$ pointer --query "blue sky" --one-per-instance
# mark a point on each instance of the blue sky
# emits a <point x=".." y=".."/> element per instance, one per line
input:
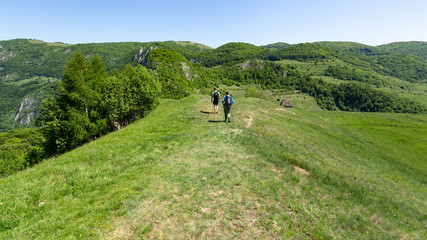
<point x="215" y="22"/>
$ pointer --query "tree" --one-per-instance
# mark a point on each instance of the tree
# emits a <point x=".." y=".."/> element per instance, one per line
<point x="74" y="115"/>
<point x="90" y="103"/>
<point x="130" y="95"/>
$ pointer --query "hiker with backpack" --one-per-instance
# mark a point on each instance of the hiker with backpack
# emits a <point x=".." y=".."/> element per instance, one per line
<point x="215" y="96"/>
<point x="227" y="101"/>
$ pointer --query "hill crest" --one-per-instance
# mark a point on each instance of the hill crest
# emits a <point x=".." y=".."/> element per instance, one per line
<point x="163" y="177"/>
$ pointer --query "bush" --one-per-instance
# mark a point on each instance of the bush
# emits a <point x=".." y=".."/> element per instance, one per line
<point x="34" y="156"/>
<point x="205" y="91"/>
<point x="253" y="92"/>
<point x="10" y="163"/>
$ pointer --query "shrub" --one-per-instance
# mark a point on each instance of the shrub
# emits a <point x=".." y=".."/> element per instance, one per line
<point x="10" y="163"/>
<point x="253" y="92"/>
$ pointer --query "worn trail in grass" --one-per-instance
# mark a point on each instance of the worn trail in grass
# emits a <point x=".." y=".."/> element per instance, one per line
<point x="271" y="173"/>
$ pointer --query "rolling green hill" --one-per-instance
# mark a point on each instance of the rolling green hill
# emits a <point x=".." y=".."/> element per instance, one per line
<point x="301" y="52"/>
<point x="300" y="173"/>
<point x="383" y="60"/>
<point x="413" y="48"/>
<point x="229" y="52"/>
<point x="276" y="46"/>
<point x="352" y="48"/>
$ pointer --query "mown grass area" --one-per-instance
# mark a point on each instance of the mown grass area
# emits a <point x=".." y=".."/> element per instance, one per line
<point x="272" y="173"/>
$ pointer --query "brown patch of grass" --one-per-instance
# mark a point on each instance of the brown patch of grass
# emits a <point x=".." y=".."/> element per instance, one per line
<point x="248" y="121"/>
<point x="301" y="171"/>
<point x="285" y="110"/>
<point x="206" y="210"/>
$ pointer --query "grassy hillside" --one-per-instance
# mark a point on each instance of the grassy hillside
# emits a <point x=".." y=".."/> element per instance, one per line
<point x="271" y="173"/>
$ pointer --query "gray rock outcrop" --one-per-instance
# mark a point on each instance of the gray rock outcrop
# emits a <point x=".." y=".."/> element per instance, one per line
<point x="141" y="55"/>
<point x="286" y="102"/>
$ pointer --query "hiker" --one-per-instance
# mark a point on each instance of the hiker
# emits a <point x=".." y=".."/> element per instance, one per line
<point x="227" y="101"/>
<point x="215" y="96"/>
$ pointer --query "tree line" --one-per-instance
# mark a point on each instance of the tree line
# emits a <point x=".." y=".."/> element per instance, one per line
<point x="91" y="102"/>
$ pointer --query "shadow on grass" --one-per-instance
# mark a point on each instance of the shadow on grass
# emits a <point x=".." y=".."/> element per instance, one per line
<point x="206" y="112"/>
<point x="215" y="121"/>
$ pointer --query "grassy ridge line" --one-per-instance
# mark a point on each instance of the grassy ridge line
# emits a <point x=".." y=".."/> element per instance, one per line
<point x="175" y="174"/>
<point x="81" y="190"/>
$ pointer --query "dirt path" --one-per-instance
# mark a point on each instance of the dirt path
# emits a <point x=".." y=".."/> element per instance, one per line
<point x="249" y="120"/>
<point x="285" y="110"/>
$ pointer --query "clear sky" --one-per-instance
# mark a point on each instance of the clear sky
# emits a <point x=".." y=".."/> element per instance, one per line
<point x="215" y="22"/>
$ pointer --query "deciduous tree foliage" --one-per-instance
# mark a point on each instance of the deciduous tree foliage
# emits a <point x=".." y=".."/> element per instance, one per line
<point x="345" y="73"/>
<point x="19" y="148"/>
<point x="90" y="103"/>
<point x="130" y="95"/>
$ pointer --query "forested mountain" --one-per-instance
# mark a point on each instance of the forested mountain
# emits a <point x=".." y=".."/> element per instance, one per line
<point x="382" y="60"/>
<point x="228" y="53"/>
<point x="31" y="69"/>
<point x="301" y="52"/>
<point x="22" y="58"/>
<point x="413" y="48"/>
<point x="276" y="46"/>
<point x="352" y="48"/>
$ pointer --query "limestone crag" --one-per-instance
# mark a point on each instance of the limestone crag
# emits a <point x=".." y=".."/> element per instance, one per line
<point x="26" y="112"/>
<point x="186" y="69"/>
<point x="257" y="64"/>
<point x="141" y="55"/>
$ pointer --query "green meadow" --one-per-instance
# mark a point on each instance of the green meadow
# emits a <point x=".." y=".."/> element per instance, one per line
<point x="272" y="173"/>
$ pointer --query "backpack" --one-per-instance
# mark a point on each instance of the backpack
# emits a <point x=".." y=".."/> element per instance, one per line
<point x="216" y="96"/>
<point x="227" y="100"/>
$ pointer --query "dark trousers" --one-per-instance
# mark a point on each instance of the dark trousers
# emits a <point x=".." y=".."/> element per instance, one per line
<point x="227" y="112"/>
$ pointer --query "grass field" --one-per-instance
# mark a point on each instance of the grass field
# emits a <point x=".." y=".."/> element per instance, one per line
<point x="272" y="173"/>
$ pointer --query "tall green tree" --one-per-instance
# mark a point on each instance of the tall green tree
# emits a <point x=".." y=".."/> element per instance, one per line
<point x="74" y="115"/>
<point x="90" y="102"/>
<point x="130" y="95"/>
